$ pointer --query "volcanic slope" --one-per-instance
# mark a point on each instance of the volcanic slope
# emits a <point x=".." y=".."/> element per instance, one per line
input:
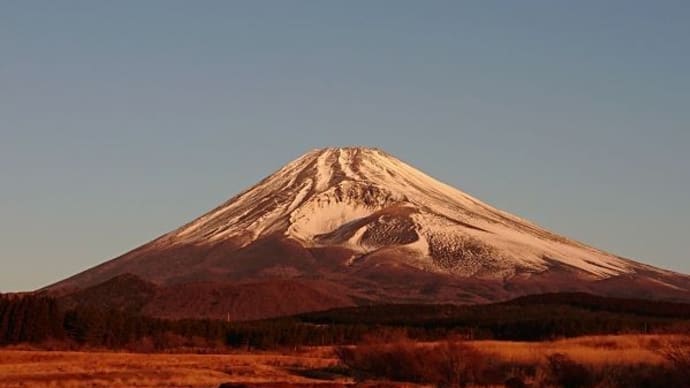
<point x="344" y="226"/>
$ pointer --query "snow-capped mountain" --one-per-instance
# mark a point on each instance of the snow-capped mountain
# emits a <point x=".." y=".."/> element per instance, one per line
<point x="367" y="200"/>
<point x="363" y="225"/>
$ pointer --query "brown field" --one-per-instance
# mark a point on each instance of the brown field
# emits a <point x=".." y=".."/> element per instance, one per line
<point x="36" y="368"/>
<point x="21" y="368"/>
<point x="590" y="350"/>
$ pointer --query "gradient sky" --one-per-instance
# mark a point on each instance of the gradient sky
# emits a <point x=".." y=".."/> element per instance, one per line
<point x="121" y="120"/>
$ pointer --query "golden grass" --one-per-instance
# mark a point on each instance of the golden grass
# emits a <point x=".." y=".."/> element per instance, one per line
<point x="590" y="350"/>
<point x="31" y="368"/>
<point x="110" y="369"/>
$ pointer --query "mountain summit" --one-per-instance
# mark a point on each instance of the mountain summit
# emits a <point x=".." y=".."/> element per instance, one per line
<point x="357" y="225"/>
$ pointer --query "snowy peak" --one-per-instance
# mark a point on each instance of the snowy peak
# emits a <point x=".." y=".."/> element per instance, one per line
<point x="343" y="226"/>
<point x="369" y="202"/>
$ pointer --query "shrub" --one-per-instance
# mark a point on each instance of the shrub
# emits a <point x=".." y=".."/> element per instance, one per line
<point x="641" y="376"/>
<point x="677" y="354"/>
<point x="561" y="371"/>
<point x="449" y="364"/>
<point x="515" y="382"/>
<point x="456" y="364"/>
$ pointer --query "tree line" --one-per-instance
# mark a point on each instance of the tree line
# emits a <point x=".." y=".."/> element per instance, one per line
<point x="39" y="319"/>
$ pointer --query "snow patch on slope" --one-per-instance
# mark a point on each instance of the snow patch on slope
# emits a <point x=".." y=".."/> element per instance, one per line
<point x="322" y="214"/>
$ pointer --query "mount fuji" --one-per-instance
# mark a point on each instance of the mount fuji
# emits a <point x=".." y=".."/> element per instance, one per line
<point x="348" y="226"/>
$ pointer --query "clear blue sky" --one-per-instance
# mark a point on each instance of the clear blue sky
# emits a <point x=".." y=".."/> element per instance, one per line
<point x="121" y="120"/>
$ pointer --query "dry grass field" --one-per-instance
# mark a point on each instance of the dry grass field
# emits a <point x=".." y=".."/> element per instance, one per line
<point x="590" y="350"/>
<point x="34" y="368"/>
<point x="21" y="368"/>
